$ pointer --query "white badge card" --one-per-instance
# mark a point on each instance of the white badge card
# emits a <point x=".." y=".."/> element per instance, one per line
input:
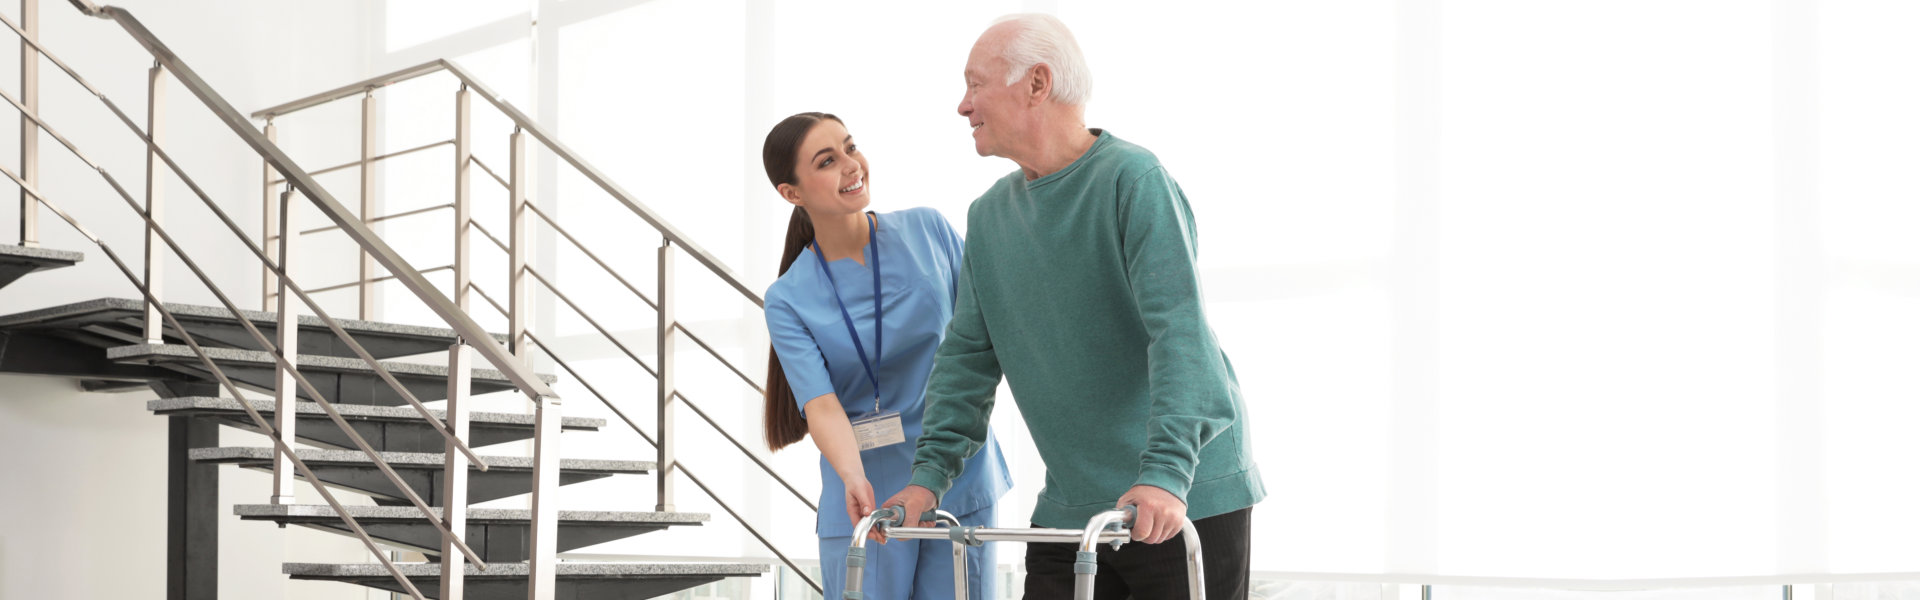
<point x="879" y="429"/>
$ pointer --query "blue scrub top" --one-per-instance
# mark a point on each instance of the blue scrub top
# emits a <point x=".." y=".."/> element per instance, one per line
<point x="919" y="266"/>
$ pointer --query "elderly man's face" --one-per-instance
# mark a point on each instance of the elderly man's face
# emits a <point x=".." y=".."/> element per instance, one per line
<point x="991" y="106"/>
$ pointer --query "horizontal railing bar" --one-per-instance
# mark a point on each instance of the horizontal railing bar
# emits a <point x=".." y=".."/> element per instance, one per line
<point x="723" y="360"/>
<point x="489" y="299"/>
<point x="590" y="389"/>
<point x="754" y="456"/>
<point x="605" y="183"/>
<point x="522" y="376"/>
<point x="682" y="466"/>
<point x="410" y="213"/>
<point x="349" y="90"/>
<point x="214" y="369"/>
<point x="483" y="166"/>
<point x="280" y="361"/>
<point x="201" y="194"/>
<point x="589" y="319"/>
<point x="475" y="224"/>
<point x="376" y="280"/>
<point x="590" y="255"/>
<point x="379" y="158"/>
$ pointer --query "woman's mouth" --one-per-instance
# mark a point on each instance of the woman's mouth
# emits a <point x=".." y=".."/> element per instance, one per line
<point x="858" y="185"/>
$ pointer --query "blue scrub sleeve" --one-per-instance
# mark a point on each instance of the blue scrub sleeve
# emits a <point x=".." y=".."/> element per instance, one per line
<point x="800" y="357"/>
<point x="955" y="248"/>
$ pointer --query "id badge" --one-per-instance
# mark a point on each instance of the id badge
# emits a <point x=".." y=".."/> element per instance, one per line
<point x="875" y="430"/>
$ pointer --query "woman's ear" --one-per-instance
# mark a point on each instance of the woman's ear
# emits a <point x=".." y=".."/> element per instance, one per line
<point x="790" y="193"/>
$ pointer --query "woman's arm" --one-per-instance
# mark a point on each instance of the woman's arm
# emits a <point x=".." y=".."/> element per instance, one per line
<point x="833" y="434"/>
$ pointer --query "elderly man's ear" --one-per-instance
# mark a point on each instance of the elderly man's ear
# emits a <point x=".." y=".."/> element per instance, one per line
<point x="1039" y="84"/>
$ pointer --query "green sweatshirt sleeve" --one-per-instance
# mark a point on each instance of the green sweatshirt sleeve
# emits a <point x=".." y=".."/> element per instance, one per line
<point x="960" y="394"/>
<point x="1190" y="386"/>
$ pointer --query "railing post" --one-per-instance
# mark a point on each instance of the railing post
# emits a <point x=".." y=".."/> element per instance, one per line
<point x="453" y="568"/>
<point x="153" y="327"/>
<point x="269" y="220"/>
<point x="518" y="309"/>
<point x="462" y="214"/>
<point x="367" y="265"/>
<point x="664" y="363"/>
<point x="286" y="333"/>
<point x="29" y="133"/>
<point x="546" y="511"/>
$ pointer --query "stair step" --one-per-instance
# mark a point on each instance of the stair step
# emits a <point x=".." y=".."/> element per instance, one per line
<point x="496" y="535"/>
<point x="393" y="429"/>
<point x="507" y="476"/>
<point x="342" y="380"/>
<point x="117" y="321"/>
<point x="17" y="261"/>
<point x="508" y="581"/>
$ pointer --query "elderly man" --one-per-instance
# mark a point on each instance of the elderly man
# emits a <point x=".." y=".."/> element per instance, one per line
<point x="1080" y="285"/>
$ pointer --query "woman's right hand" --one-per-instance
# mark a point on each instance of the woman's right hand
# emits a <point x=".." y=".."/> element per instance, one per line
<point x="860" y="502"/>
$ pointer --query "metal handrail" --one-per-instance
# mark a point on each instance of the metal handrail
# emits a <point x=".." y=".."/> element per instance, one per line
<point x="280" y="361"/>
<point x="204" y="198"/>
<point x="464" y="326"/>
<point x="623" y="281"/>
<point x="532" y="127"/>
<point x="259" y="421"/>
<point x="372" y="247"/>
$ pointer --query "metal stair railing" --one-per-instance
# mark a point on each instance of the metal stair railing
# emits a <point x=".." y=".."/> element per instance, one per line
<point x="289" y="379"/>
<point x="522" y="276"/>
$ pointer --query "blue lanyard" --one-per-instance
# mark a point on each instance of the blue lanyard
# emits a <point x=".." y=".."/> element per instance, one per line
<point x="873" y="246"/>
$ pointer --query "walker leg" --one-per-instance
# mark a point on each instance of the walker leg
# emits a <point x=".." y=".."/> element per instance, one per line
<point x="1196" y="574"/>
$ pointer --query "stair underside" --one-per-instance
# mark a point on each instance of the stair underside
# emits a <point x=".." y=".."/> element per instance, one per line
<point x="507" y="581"/>
<point x="17" y="261"/>
<point x="424" y="472"/>
<point x="341" y="380"/>
<point x="392" y="429"/>
<point x="496" y="535"/>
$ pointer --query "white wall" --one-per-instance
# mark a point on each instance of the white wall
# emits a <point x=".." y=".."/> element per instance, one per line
<point x="82" y="509"/>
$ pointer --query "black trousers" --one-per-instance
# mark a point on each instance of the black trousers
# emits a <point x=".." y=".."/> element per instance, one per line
<point x="1151" y="572"/>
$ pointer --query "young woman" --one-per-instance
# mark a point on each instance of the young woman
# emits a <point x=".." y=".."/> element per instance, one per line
<point x="862" y="301"/>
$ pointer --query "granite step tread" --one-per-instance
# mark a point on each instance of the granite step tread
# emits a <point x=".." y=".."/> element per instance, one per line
<point x="410" y="459"/>
<point x="474" y="515"/>
<point x="41" y="253"/>
<point x="570" y="570"/>
<point x="359" y="411"/>
<point x="261" y="357"/>
<point x="200" y="312"/>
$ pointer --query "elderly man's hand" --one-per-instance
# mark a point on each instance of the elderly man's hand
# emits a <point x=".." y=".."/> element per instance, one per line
<point x="913" y="501"/>
<point x="1159" y="515"/>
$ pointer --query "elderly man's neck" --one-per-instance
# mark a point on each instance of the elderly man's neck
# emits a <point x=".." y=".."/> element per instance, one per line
<point x="1056" y="148"/>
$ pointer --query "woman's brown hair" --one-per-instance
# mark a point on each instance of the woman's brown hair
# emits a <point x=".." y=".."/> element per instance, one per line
<point x="781" y="154"/>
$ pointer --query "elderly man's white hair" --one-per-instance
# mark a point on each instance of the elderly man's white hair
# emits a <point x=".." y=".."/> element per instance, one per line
<point x="1035" y="39"/>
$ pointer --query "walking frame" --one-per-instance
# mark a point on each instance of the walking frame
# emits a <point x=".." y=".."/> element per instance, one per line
<point x="1109" y="527"/>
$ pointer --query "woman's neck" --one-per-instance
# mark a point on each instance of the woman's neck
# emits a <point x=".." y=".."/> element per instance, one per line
<point x="841" y="236"/>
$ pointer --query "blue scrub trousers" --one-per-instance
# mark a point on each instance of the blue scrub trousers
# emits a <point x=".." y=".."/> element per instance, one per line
<point x="913" y="569"/>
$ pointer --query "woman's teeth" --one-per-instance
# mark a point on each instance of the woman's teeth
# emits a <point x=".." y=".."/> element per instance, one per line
<point x="855" y="187"/>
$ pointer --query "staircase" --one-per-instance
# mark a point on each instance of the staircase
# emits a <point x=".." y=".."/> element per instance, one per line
<point x="339" y="404"/>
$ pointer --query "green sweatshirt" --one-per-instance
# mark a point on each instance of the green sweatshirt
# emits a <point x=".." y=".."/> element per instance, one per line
<point x="1082" y="288"/>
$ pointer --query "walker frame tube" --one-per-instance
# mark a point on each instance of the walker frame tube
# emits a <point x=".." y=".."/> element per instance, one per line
<point x="1104" y="528"/>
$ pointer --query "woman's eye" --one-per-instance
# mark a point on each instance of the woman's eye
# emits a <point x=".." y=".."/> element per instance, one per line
<point x="851" y="149"/>
<point x="826" y="163"/>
